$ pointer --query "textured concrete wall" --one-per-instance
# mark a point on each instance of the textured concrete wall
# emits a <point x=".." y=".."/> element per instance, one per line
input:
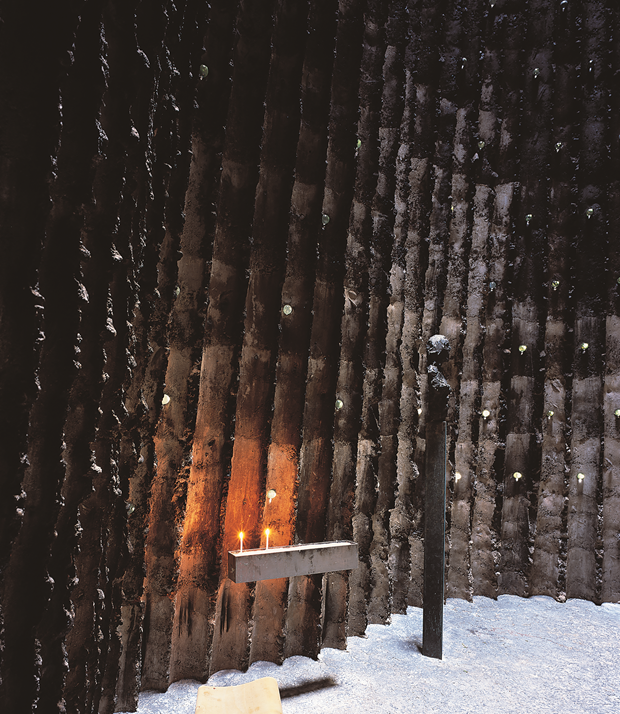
<point x="228" y="232"/>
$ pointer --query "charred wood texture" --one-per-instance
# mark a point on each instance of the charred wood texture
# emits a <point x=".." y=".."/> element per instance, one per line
<point x="228" y="230"/>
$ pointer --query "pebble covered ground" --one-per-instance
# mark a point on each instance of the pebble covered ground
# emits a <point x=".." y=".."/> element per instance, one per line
<point x="504" y="656"/>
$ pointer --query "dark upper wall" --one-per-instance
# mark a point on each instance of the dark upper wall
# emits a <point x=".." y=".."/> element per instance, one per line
<point x="227" y="234"/>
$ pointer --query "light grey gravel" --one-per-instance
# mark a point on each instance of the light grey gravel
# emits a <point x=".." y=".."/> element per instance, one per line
<point x="504" y="656"/>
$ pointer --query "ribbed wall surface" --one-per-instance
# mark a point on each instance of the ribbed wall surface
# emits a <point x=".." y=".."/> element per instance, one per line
<point x="228" y="232"/>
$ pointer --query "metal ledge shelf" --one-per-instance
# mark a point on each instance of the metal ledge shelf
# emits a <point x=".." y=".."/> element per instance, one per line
<point x="288" y="561"/>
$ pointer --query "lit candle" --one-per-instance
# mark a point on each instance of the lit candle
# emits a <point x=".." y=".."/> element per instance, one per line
<point x="241" y="542"/>
<point x="267" y="538"/>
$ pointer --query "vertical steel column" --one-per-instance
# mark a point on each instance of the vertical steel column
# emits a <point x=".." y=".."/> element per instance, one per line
<point x="434" y="539"/>
<point x="435" y="499"/>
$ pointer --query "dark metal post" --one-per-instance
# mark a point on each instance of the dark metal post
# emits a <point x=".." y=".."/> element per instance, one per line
<point x="435" y="499"/>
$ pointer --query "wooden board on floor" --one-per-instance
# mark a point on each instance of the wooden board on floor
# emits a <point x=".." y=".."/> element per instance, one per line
<point x="261" y="696"/>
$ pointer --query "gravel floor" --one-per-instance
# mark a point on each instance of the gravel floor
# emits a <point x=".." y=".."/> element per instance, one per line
<point x="504" y="656"/>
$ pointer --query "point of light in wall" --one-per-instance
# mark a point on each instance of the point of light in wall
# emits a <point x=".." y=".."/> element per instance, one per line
<point x="522" y="348"/>
<point x="177" y="291"/>
<point x="419" y="411"/>
<point x="457" y="476"/>
<point x="550" y="413"/>
<point x="492" y="285"/>
<point x="555" y="284"/>
<point x="558" y="146"/>
<point x="481" y="144"/>
<point x="287" y="309"/>
<point x="517" y="475"/>
<point x="325" y="219"/>
<point x="204" y="71"/>
<point x="486" y="413"/>
<point x="584" y="346"/>
<point x="165" y="400"/>
<point x="271" y="494"/>
<point x="617" y="413"/>
<point x="528" y="218"/>
<point x="580" y="477"/>
<point x="339" y="404"/>
<point x="536" y="73"/>
<point x="590" y="212"/>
